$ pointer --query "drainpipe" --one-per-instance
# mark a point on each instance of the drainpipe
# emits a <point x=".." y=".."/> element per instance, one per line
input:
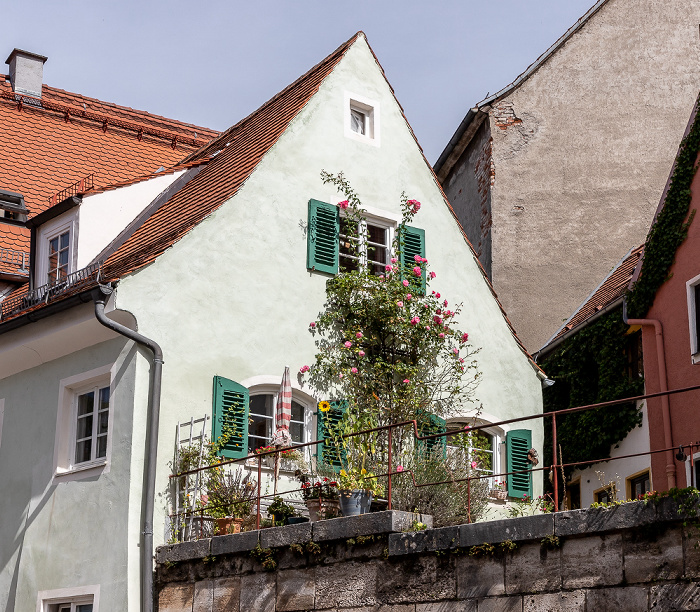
<point x="665" y="405"/>
<point x="100" y="296"/>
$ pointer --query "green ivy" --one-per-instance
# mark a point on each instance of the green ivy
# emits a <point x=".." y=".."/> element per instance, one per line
<point x="591" y="367"/>
<point x="670" y="228"/>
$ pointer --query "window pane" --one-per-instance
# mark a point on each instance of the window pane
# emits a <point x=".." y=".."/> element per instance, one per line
<point x="261" y="404"/>
<point x="260" y="427"/>
<point x="86" y="403"/>
<point x="104" y="398"/>
<point x="357" y="121"/>
<point x="84" y="429"/>
<point x="297" y="432"/>
<point x="63" y="258"/>
<point x="84" y="608"/>
<point x="83" y="451"/>
<point x="64" y="240"/>
<point x="101" y="447"/>
<point x="376" y="234"/>
<point x="53" y="245"/>
<point x="297" y="412"/>
<point x="102" y="423"/>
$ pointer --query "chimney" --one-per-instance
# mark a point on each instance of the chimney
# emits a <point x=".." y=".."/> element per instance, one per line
<point x="26" y="72"/>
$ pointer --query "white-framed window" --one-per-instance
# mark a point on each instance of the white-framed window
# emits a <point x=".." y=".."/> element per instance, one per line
<point x="482" y="446"/>
<point x="83" y="428"/>
<point x="261" y="426"/>
<point x="369" y="244"/>
<point x="361" y="119"/>
<point x="77" y="599"/>
<point x="693" y="297"/>
<point x="56" y="251"/>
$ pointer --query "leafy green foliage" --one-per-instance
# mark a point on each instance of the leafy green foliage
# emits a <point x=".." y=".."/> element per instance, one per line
<point x="670" y="228"/>
<point x="591" y="367"/>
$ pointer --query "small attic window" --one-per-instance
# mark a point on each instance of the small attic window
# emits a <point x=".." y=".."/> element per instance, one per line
<point x="12" y="208"/>
<point x="361" y="119"/>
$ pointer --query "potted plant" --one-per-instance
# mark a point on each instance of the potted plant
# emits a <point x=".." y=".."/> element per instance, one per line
<point x="230" y="499"/>
<point x="320" y="495"/>
<point x="357" y="486"/>
<point x="498" y="491"/>
<point x="280" y="511"/>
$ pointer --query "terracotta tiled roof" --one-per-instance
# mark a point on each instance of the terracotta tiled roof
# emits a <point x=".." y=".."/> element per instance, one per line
<point x="609" y="291"/>
<point x="46" y="148"/>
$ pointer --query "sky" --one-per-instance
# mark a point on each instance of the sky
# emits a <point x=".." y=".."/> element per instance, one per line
<point x="213" y="62"/>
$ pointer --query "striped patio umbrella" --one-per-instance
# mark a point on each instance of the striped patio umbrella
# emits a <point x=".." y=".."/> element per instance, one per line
<point x="283" y="415"/>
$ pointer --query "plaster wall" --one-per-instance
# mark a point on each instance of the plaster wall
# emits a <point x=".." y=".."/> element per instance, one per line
<point x="670" y="307"/>
<point x="248" y="314"/>
<point x="71" y="531"/>
<point x="582" y="150"/>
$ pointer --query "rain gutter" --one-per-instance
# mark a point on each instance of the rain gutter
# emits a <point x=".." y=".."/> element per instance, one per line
<point x="100" y="296"/>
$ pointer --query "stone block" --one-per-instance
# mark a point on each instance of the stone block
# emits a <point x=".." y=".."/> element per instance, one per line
<point x="203" y="596"/>
<point x="258" y="592"/>
<point x="227" y="595"/>
<point x="533" y="568"/>
<point x="596" y="520"/>
<point x="296" y="590"/>
<point x="346" y="585"/>
<point x="277" y="537"/>
<point x="172" y="553"/>
<point x="573" y="601"/>
<point x="653" y="554"/>
<point x="395" y="608"/>
<point x="691" y="550"/>
<point x="448" y="606"/>
<point x="592" y="561"/>
<point x="479" y="577"/>
<point x="668" y="509"/>
<point x="685" y="596"/>
<point x="421" y="541"/>
<point x="515" y="529"/>
<point x="176" y="597"/>
<point x="417" y="579"/>
<point x="234" y="543"/>
<point x="513" y="603"/>
<point x="389" y="521"/>
<point x="618" y="599"/>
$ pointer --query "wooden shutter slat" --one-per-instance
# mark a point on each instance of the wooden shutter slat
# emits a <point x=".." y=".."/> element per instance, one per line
<point x="322" y="237"/>
<point x="230" y="410"/>
<point x="412" y="244"/>
<point x="518" y="443"/>
<point x="329" y="453"/>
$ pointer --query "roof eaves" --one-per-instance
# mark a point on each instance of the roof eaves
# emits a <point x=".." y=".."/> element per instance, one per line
<point x="521" y="78"/>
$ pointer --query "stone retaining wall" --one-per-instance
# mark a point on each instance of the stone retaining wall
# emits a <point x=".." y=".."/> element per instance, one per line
<point x="631" y="557"/>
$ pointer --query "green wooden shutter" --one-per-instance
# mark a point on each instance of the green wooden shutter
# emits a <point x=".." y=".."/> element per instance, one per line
<point x="322" y="237"/>
<point x="518" y="443"/>
<point x="328" y="452"/>
<point x="412" y="244"/>
<point x="230" y="411"/>
<point x="428" y="425"/>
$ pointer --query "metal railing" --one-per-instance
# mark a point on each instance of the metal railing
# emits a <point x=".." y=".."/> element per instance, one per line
<point x="81" y="186"/>
<point x="16" y="258"/>
<point x="50" y="292"/>
<point x="391" y="472"/>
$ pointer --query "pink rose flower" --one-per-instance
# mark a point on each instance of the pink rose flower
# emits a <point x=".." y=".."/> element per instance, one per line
<point x="417" y="258"/>
<point x="388" y="268"/>
<point x="394" y="260"/>
<point x="415" y="321"/>
<point x="461" y="360"/>
<point x="399" y="468"/>
<point x="406" y="380"/>
<point x="353" y="370"/>
<point x="399" y="304"/>
<point x="437" y="295"/>
<point x="438" y="311"/>
<point x="359" y="334"/>
<point x="361" y="353"/>
<point x="414" y="204"/>
<point x="304" y="369"/>
<point x="465" y="337"/>
<point x="344" y="204"/>
<point x="437" y="320"/>
<point x="433" y="275"/>
<point x="473" y="465"/>
<point x="445" y="303"/>
<point x="455" y="351"/>
<point x="404" y="283"/>
<point x="348" y="344"/>
<point x="442" y="335"/>
<point x="409" y="296"/>
<point x="417" y="271"/>
<point x="312" y="324"/>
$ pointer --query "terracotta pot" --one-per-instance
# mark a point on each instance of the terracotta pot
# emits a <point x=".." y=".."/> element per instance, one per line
<point x="228" y="524"/>
<point x="327" y="508"/>
<point x="498" y="494"/>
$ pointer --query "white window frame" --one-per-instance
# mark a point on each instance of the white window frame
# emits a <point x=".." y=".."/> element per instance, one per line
<point x="499" y="439"/>
<point x="47" y="601"/>
<point x="47" y="232"/>
<point x="70" y="388"/>
<point x="370" y="109"/>
<point x="380" y="218"/>
<point x="696" y="459"/>
<point x="692" y="309"/>
<point x="270" y="384"/>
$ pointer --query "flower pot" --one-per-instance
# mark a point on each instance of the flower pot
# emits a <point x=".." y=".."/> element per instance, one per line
<point x="353" y="503"/>
<point x="228" y="524"/>
<point x="295" y="520"/>
<point x="498" y="494"/>
<point x="327" y="508"/>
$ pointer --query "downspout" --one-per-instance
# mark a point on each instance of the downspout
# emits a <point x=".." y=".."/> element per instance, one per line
<point x="100" y="296"/>
<point x="665" y="405"/>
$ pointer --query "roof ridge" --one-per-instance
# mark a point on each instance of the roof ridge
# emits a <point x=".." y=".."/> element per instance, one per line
<point x="340" y="50"/>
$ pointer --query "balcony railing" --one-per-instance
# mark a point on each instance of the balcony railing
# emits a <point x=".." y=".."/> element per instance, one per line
<point x="50" y="292"/>
<point x="19" y="259"/>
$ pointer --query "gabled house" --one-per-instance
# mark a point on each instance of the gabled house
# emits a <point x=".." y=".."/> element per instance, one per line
<point x="57" y="143"/>
<point x="556" y="176"/>
<point x="213" y="282"/>
<point x="664" y="300"/>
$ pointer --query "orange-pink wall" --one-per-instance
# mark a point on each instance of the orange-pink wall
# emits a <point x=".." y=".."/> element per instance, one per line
<point x="671" y="308"/>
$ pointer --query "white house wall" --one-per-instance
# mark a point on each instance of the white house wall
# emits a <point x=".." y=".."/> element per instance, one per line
<point x="234" y="297"/>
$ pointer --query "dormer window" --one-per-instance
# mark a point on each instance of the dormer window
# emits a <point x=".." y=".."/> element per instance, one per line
<point x="56" y="250"/>
<point x="12" y="208"/>
<point x="59" y="250"/>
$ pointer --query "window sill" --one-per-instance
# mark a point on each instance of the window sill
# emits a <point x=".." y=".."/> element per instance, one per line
<point x="80" y="472"/>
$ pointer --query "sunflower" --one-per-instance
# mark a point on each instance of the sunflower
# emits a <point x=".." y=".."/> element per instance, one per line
<point x="324" y="406"/>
